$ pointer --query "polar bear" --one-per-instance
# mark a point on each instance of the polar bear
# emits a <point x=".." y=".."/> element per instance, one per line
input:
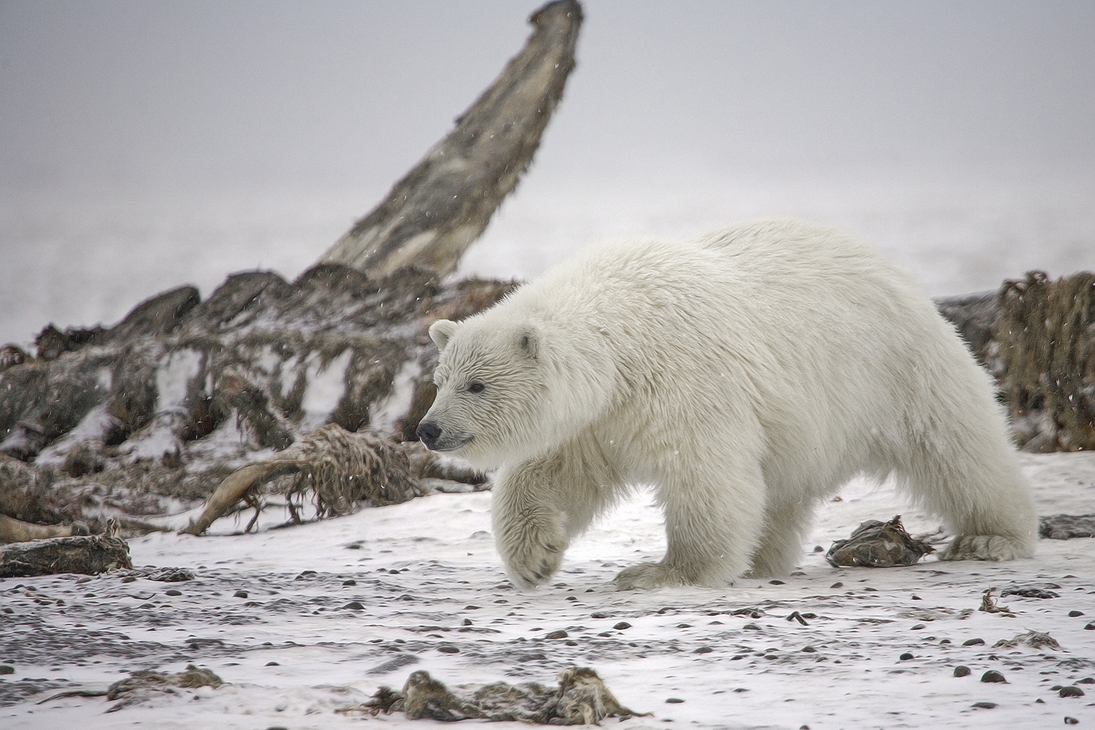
<point x="744" y="375"/>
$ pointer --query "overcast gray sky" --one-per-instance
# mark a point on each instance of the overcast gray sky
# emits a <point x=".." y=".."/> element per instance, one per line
<point x="135" y="95"/>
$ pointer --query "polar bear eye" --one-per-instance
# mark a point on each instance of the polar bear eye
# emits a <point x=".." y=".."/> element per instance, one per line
<point x="476" y="387"/>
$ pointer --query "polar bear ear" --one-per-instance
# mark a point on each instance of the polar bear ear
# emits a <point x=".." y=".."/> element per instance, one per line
<point x="529" y="342"/>
<point x="441" y="331"/>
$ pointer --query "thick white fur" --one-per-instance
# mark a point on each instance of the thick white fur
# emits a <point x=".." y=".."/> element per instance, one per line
<point x="745" y="375"/>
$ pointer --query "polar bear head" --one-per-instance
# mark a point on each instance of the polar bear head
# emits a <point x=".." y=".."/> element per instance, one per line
<point x="492" y="394"/>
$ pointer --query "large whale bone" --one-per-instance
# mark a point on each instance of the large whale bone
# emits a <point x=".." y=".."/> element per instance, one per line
<point x="441" y="206"/>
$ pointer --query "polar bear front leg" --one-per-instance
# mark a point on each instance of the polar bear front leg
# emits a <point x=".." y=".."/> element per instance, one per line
<point x="529" y="529"/>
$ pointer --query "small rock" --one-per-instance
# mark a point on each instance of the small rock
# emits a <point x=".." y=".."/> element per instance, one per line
<point x="838" y="584"/>
<point x="448" y="649"/>
<point x="961" y="671"/>
<point x="775" y="582"/>
<point x="354" y="606"/>
<point x="984" y="705"/>
<point x="598" y="614"/>
<point x="467" y="622"/>
<point x="1071" y="720"/>
<point x="973" y="642"/>
<point x="674" y="701"/>
<point x="1090" y="627"/>
<point x="272" y="664"/>
<point x="818" y="549"/>
<point x="622" y="625"/>
<point x="993" y="676"/>
<point x="240" y="594"/>
<point x="1071" y="691"/>
<point x="173" y="592"/>
<point x="1086" y="680"/>
<point x="906" y="656"/>
<point x="1074" y="614"/>
<point x="703" y="650"/>
<point x="350" y="582"/>
<point x="7" y="669"/>
<point x="560" y="634"/>
<point x="809" y="650"/>
<point x="917" y="627"/>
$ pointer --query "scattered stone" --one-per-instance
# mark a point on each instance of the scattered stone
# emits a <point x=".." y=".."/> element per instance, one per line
<point x="962" y="671"/>
<point x="984" y="705"/>
<point x="1086" y="680"/>
<point x="877" y="544"/>
<point x="906" y="656"/>
<point x="7" y="669"/>
<point x="352" y="605"/>
<point x="1066" y="527"/>
<point x="580" y="699"/>
<point x="1090" y="627"/>
<point x="560" y="634"/>
<point x="838" y="584"/>
<point x="1074" y="614"/>
<point x="703" y="650"/>
<point x="776" y="582"/>
<point x="673" y="701"/>
<point x="448" y="649"/>
<point x="173" y="592"/>
<point x="599" y="614"/>
<point x="1071" y="691"/>
<point x="973" y="642"/>
<point x="622" y="625"/>
<point x="993" y="676"/>
<point x="1071" y="720"/>
<point x="240" y="594"/>
<point x="397" y="662"/>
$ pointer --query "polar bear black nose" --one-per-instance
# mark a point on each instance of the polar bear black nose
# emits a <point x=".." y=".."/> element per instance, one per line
<point x="428" y="433"/>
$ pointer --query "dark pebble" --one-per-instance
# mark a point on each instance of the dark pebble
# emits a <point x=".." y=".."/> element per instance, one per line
<point x="993" y="676"/>
<point x="818" y="549"/>
<point x="906" y="656"/>
<point x="598" y="614"/>
<point x="973" y="642"/>
<point x="1086" y="680"/>
<point x="560" y="634"/>
<point x="674" y="701"/>
<point x="838" y="584"/>
<point x="622" y="625"/>
<point x="1090" y="627"/>
<point x="1071" y="691"/>
<point x="1074" y="614"/>
<point x="684" y="626"/>
<point x="240" y="594"/>
<point x="750" y="627"/>
<point x="467" y="622"/>
<point x="350" y="582"/>
<point x="703" y="650"/>
<point x="961" y="671"/>
<point x="448" y="649"/>
<point x="917" y="627"/>
<point x="1071" y="720"/>
<point x="354" y="605"/>
<point x="7" y="669"/>
<point x="173" y="592"/>
<point x="272" y="664"/>
<point x="775" y="582"/>
<point x="809" y="649"/>
<point x="984" y="705"/>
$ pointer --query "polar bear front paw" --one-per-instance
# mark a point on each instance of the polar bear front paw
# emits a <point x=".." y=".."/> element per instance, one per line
<point x="647" y="575"/>
<point x="533" y="556"/>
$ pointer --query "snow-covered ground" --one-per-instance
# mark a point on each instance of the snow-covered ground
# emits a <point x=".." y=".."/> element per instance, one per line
<point x="303" y="621"/>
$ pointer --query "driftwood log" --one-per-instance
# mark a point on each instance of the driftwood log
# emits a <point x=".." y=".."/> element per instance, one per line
<point x="434" y="213"/>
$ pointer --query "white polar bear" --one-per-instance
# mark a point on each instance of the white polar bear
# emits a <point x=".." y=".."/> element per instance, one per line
<point x="744" y="375"/>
